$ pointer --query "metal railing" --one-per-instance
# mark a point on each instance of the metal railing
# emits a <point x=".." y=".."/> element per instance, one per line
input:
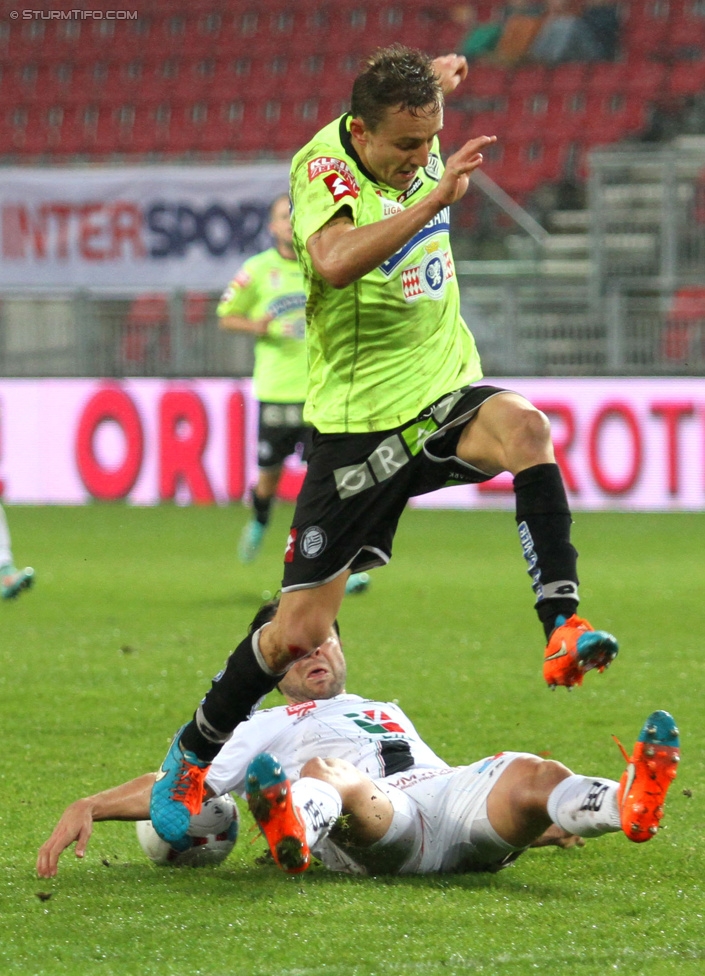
<point x="524" y="323"/>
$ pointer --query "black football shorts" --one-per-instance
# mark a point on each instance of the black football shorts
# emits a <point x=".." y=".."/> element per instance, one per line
<point x="280" y="432"/>
<point x="357" y="486"/>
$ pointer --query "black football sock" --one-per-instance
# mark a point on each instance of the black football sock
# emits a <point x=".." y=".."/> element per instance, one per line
<point x="233" y="696"/>
<point x="261" y="508"/>
<point x="544" y="521"/>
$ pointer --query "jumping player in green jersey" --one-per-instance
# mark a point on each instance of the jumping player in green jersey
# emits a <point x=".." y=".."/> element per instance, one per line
<point x="266" y="299"/>
<point x="393" y="397"/>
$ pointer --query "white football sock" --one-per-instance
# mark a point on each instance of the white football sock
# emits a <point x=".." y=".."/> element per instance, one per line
<point x="585" y="805"/>
<point x="5" y="549"/>
<point x="320" y="806"/>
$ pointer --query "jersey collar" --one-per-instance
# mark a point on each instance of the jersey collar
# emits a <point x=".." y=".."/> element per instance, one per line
<point x="347" y="144"/>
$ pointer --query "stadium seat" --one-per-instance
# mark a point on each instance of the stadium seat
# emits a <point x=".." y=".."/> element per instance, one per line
<point x="686" y="78"/>
<point x="487" y="81"/>
<point x="683" y="337"/>
<point x="609" y="119"/>
<point x="528" y="80"/>
<point x="607" y="79"/>
<point x="520" y="168"/>
<point x="145" y="340"/>
<point x="647" y="40"/>
<point x="644" y="79"/>
<point x="567" y="78"/>
<point x="458" y="127"/>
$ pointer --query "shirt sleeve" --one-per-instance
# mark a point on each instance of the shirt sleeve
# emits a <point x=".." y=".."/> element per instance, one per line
<point x="321" y="185"/>
<point x="240" y="295"/>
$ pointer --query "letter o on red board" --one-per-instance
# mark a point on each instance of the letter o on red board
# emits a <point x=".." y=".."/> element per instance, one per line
<point x="622" y="413"/>
<point x="109" y="404"/>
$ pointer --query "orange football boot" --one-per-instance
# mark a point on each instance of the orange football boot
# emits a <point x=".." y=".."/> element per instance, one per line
<point x="574" y="648"/>
<point x="649" y="773"/>
<point x="270" y="802"/>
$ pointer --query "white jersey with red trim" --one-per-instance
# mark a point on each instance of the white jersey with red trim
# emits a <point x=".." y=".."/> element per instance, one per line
<point x="376" y="737"/>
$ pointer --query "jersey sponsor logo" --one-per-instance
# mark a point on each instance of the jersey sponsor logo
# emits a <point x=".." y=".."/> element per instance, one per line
<point x="287" y="303"/>
<point x="404" y="782"/>
<point x="376" y="722"/>
<point x="439" y="225"/>
<point x="303" y="708"/>
<point x="390" y="207"/>
<point x="416" y="185"/>
<point x="428" y="278"/>
<point x="313" y="542"/>
<point x="329" y="164"/>
<point x="433" y="169"/>
<point x="339" y="187"/>
<point x="290" y="546"/>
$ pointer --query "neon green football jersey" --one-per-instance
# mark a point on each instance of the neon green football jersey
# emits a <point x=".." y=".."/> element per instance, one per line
<point x="268" y="284"/>
<point x="385" y="347"/>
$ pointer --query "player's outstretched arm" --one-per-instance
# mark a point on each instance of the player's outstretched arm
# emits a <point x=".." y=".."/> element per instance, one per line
<point x="240" y="323"/>
<point x="129" y="801"/>
<point x="342" y="253"/>
<point x="555" y="836"/>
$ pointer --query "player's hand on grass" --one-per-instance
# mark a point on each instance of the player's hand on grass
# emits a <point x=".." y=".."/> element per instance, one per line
<point x="454" y="182"/>
<point x="451" y="70"/>
<point x="556" y="836"/>
<point x="76" y="824"/>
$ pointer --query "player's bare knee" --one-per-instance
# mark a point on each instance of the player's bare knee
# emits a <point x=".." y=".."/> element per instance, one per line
<point x="539" y="777"/>
<point x="352" y="785"/>
<point x="530" y="427"/>
<point x="318" y="768"/>
<point x="330" y="770"/>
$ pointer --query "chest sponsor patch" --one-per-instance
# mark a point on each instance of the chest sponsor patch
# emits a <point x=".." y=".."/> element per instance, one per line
<point x="322" y="165"/>
<point x="416" y="185"/>
<point x="301" y="708"/>
<point x="428" y="278"/>
<point x="390" y="207"/>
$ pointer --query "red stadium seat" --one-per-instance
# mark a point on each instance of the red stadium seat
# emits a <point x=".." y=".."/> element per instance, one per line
<point x="647" y="40"/>
<point x="522" y="167"/>
<point x="644" y="78"/>
<point x="487" y="81"/>
<point x="683" y="337"/>
<point x="529" y="80"/>
<point x="606" y="78"/>
<point x="567" y="78"/>
<point x="686" y="78"/>
<point x="146" y="330"/>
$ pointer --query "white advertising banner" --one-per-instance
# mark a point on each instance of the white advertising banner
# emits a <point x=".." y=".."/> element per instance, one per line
<point x="622" y="444"/>
<point x="142" y="227"/>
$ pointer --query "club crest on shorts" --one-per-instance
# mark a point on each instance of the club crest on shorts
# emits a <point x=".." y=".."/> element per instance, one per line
<point x="313" y="542"/>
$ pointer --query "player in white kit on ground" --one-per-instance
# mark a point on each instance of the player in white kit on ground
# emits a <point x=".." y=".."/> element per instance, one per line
<point x="404" y="810"/>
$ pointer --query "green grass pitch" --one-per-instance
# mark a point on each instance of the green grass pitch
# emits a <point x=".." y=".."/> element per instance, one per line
<point x="135" y="609"/>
